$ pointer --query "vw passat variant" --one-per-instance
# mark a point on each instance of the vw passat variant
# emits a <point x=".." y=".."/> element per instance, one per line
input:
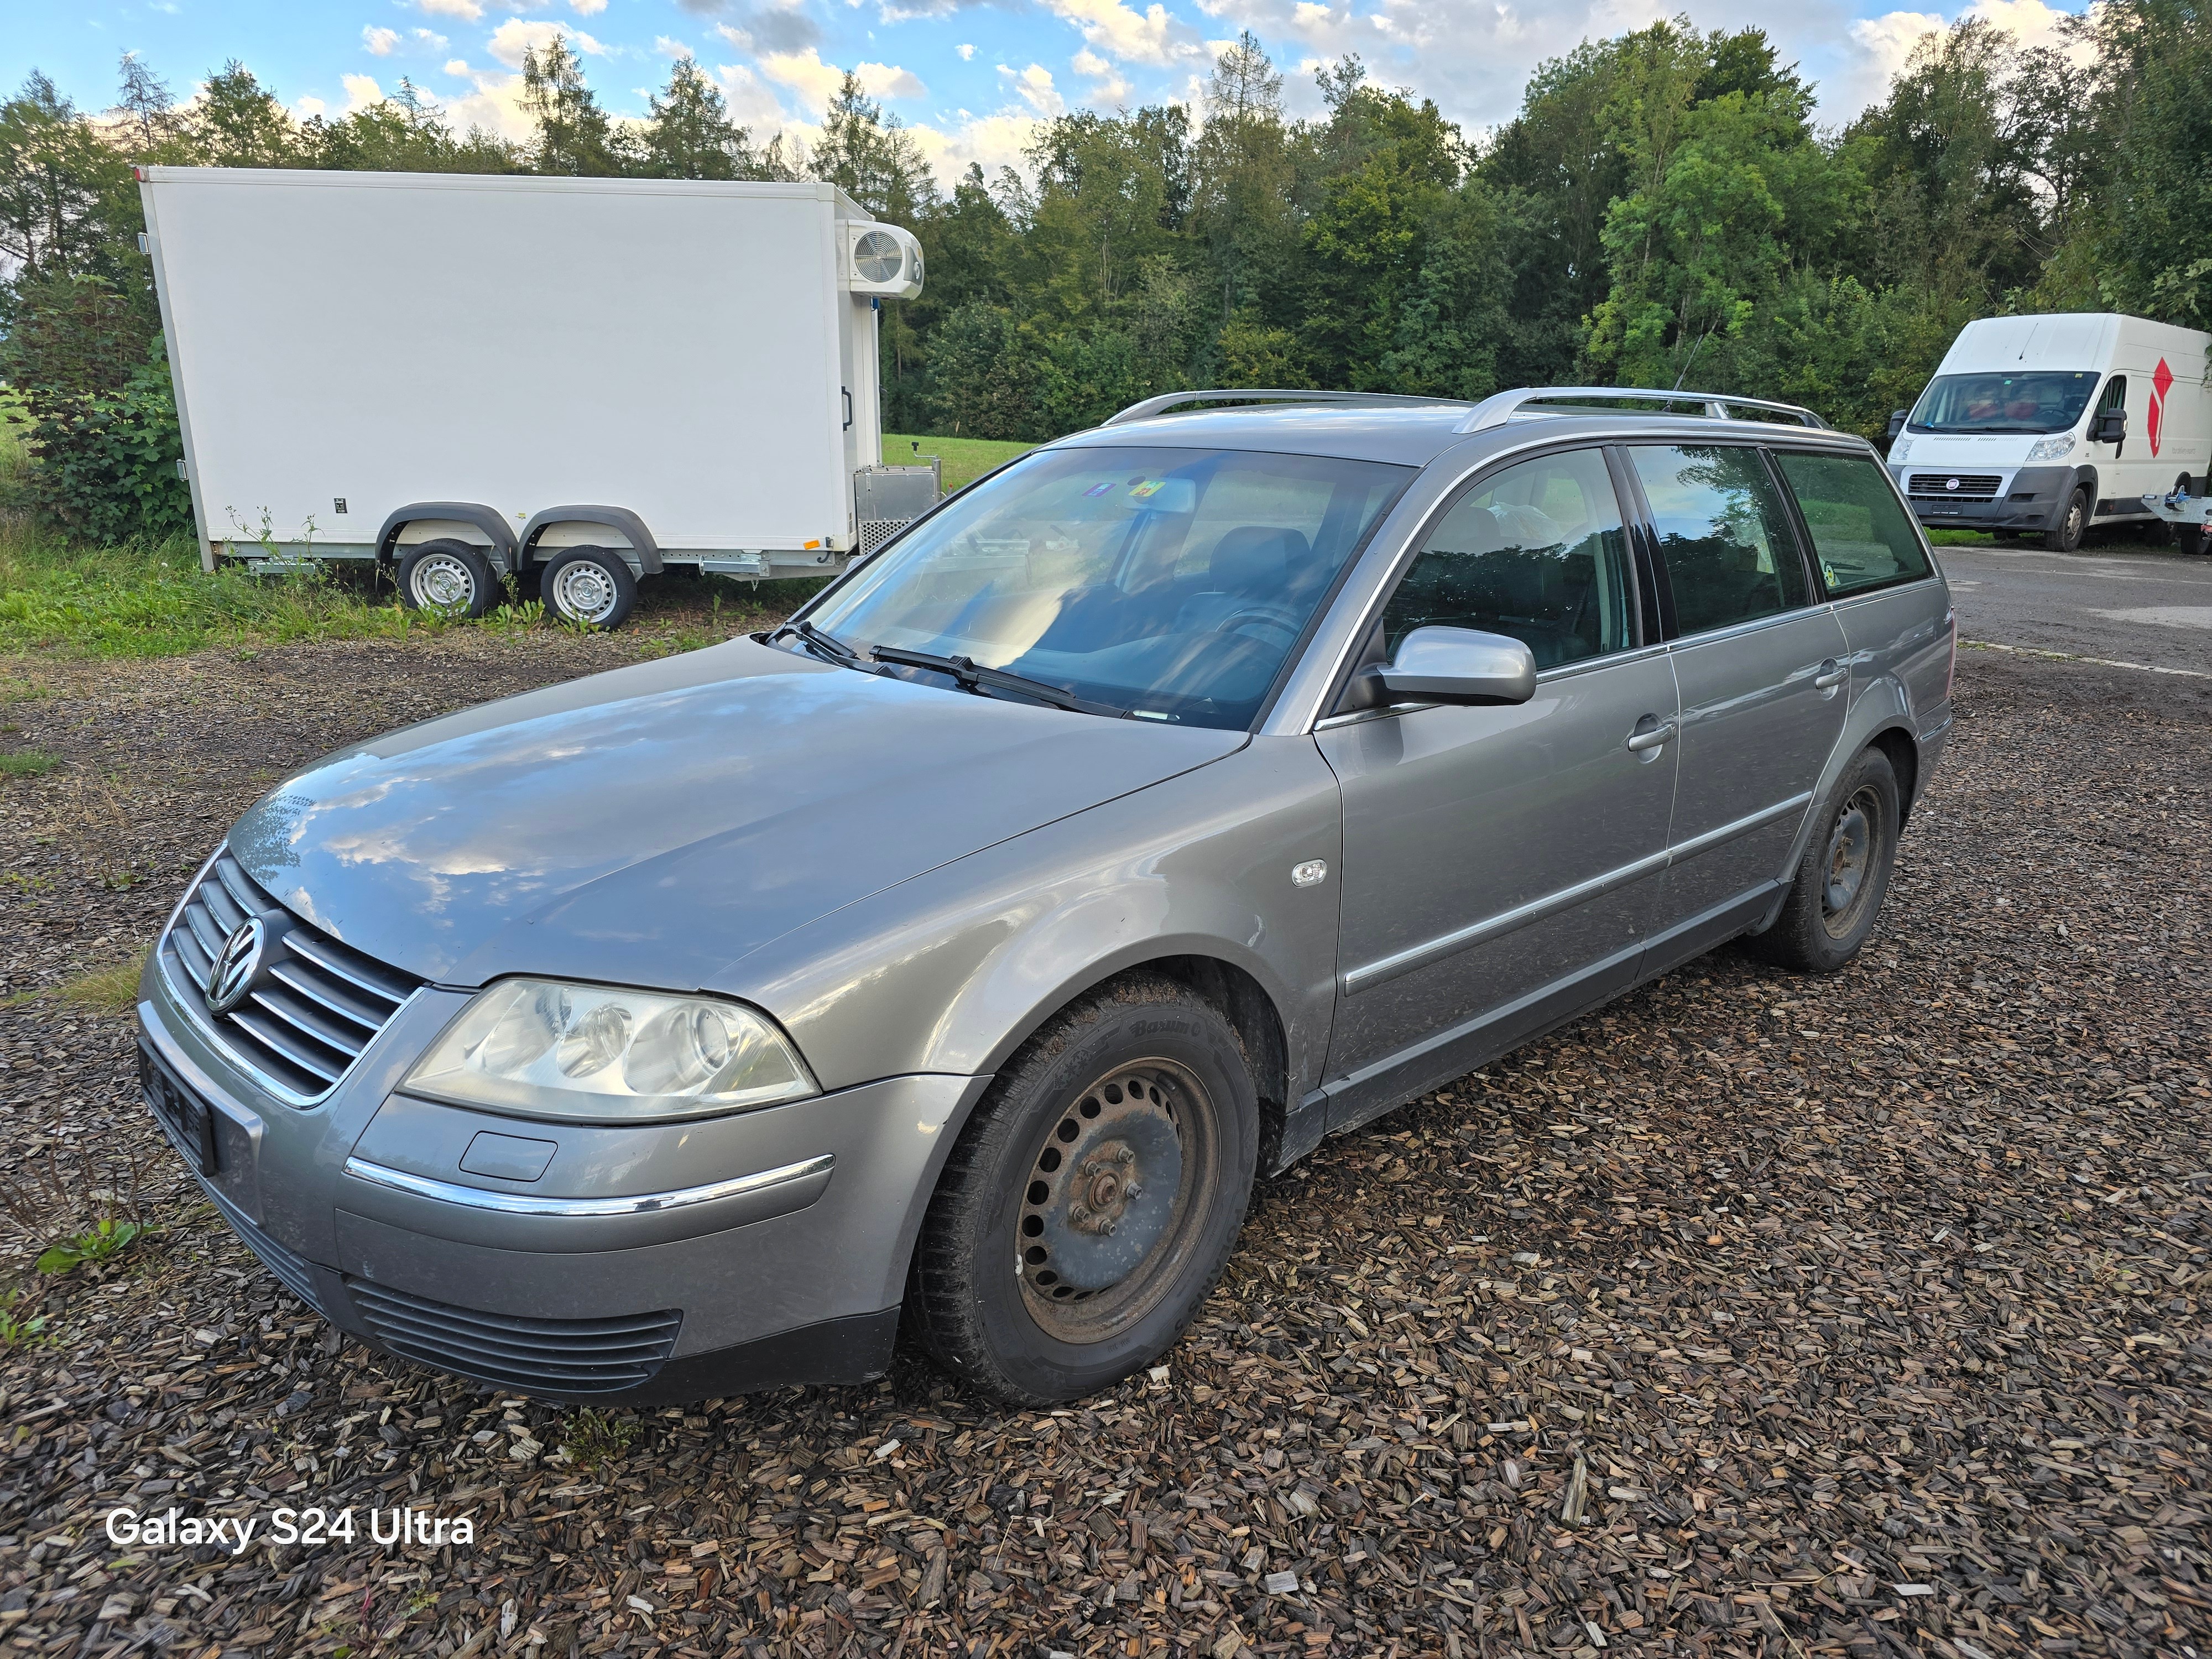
<point x="959" y="953"/>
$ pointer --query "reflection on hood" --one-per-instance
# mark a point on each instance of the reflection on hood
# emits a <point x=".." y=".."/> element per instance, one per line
<point x="650" y="825"/>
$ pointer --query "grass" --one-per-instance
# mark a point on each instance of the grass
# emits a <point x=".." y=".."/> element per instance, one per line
<point x="99" y="1244"/>
<point x="141" y="600"/>
<point x="966" y="459"/>
<point x="110" y="990"/>
<point x="27" y="763"/>
<point x="1961" y="537"/>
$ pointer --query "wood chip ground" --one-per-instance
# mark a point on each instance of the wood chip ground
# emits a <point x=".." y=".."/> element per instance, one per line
<point x="1753" y="1315"/>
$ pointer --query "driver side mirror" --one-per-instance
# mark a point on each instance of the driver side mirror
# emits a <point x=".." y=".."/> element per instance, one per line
<point x="1447" y="664"/>
<point x="2108" y="427"/>
<point x="1897" y="419"/>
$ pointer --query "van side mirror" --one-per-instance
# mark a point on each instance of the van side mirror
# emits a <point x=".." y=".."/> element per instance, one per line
<point x="1897" y="419"/>
<point x="1449" y="664"/>
<point x="2108" y="427"/>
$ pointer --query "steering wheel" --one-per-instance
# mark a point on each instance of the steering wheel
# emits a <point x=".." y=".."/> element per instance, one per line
<point x="1264" y="615"/>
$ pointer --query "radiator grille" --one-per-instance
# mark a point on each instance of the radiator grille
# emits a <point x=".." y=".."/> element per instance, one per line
<point x="1973" y="486"/>
<point x="555" y="1355"/>
<point x="316" y="1004"/>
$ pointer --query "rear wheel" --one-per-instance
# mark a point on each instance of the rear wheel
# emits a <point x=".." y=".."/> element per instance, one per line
<point x="589" y="585"/>
<point x="1844" y="875"/>
<point x="1110" y="1169"/>
<point x="450" y="578"/>
<point x="2065" y="535"/>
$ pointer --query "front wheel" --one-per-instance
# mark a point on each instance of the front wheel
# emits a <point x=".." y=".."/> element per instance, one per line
<point x="589" y="586"/>
<point x="2073" y="523"/>
<point x="449" y="577"/>
<point x="1844" y="875"/>
<point x="1091" y="1201"/>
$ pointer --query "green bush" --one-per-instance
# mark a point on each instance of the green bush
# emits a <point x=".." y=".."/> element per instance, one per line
<point x="107" y="461"/>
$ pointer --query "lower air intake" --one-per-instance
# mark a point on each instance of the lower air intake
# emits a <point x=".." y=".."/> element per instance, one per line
<point x="552" y="1356"/>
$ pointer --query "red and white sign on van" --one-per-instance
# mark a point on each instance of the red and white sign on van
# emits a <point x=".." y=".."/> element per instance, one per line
<point x="2161" y="380"/>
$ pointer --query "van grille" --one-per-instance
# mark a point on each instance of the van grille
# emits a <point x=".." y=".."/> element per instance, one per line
<point x="1973" y="486"/>
<point x="555" y="1355"/>
<point x="318" y="1004"/>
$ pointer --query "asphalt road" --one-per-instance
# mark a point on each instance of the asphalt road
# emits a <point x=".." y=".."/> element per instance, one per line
<point x="2121" y="601"/>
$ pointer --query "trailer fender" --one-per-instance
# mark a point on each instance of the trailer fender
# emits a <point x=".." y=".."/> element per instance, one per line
<point x="642" y="554"/>
<point x="504" y="542"/>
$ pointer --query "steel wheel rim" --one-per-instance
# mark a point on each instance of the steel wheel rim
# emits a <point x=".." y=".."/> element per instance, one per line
<point x="585" y="591"/>
<point x="1850" y="859"/>
<point x="1093" y="1255"/>
<point x="441" y="581"/>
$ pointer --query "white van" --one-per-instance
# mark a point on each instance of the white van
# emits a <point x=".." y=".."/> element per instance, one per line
<point x="2048" y="425"/>
<point x="561" y="386"/>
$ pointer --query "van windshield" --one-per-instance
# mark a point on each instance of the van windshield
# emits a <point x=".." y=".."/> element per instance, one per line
<point x="2051" y="401"/>
<point x="1165" y="584"/>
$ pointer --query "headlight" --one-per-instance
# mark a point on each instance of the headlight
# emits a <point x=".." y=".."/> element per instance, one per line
<point x="2050" y="448"/>
<point x="545" y="1049"/>
<point x="1900" y="449"/>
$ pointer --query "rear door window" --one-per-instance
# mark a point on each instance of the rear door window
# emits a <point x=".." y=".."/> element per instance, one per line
<point x="1861" y="536"/>
<point x="1724" y="535"/>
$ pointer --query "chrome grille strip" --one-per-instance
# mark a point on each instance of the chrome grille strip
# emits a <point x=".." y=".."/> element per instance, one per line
<point x="297" y="1012"/>
<point x="331" y="998"/>
<point x="270" y="1037"/>
<point x="353" y="968"/>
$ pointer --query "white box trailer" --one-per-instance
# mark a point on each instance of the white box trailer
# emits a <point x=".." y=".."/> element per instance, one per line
<point x="475" y="378"/>
<point x="2049" y="424"/>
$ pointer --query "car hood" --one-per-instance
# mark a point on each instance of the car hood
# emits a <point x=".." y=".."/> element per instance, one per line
<point x="651" y="825"/>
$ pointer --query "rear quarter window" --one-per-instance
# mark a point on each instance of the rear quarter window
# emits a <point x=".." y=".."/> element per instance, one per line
<point x="1862" y="538"/>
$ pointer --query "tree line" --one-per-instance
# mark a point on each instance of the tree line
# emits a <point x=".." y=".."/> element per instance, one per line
<point x="1663" y="210"/>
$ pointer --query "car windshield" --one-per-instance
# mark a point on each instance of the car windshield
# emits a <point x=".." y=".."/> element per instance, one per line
<point x="1166" y="584"/>
<point x="2044" y="402"/>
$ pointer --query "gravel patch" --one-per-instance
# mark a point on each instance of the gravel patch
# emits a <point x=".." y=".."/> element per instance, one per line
<point x="1753" y="1315"/>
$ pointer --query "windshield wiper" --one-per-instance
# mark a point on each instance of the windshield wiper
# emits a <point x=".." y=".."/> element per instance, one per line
<point x="827" y="644"/>
<point x="972" y="676"/>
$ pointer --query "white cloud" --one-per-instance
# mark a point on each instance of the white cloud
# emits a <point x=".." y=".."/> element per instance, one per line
<point x="669" y="46"/>
<point x="989" y="141"/>
<point x="361" y="91"/>
<point x="889" y="81"/>
<point x="804" y="73"/>
<point x="468" y="11"/>
<point x="309" y="109"/>
<point x="1127" y="36"/>
<point x="381" y="43"/>
<point x="430" y="39"/>
<point x="966" y="51"/>
<point x="495" y="105"/>
<point x="1034" y="87"/>
<point x="515" y="36"/>
<point x="457" y="66"/>
<point x="1109" y="87"/>
<point x="588" y="7"/>
<point x="752" y="106"/>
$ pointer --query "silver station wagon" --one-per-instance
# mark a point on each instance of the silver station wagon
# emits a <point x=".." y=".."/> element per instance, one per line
<point x="956" y="956"/>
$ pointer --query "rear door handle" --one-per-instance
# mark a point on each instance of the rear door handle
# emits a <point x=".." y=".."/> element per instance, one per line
<point x="1651" y="737"/>
<point x="1832" y="675"/>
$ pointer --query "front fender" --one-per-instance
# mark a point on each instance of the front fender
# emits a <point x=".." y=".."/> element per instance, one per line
<point x="953" y="971"/>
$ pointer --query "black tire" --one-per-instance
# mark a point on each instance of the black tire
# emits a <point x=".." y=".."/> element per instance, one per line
<point x="589" y="585"/>
<point x="450" y="578"/>
<point x="1139" y="1095"/>
<point x="1844" y="875"/>
<point x="2187" y="537"/>
<point x="2072" y="523"/>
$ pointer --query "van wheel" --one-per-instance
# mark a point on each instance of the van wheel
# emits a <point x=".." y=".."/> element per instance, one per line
<point x="2066" y="535"/>
<point x="590" y="586"/>
<point x="449" y="577"/>
<point x="1110" y="1169"/>
<point x="1844" y="875"/>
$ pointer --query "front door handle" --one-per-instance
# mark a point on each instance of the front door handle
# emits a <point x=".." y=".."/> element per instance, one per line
<point x="1832" y="675"/>
<point x="1651" y="735"/>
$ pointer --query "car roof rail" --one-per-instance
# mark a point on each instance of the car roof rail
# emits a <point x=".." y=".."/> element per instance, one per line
<point x="1502" y="407"/>
<point x="1160" y="405"/>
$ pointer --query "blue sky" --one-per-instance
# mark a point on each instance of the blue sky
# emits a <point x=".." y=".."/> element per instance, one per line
<point x="970" y="77"/>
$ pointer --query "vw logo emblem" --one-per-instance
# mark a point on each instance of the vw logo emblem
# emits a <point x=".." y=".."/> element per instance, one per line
<point x="235" y="965"/>
<point x="1952" y="484"/>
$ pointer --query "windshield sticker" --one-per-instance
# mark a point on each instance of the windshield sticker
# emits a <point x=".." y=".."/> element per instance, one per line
<point x="1145" y="489"/>
<point x="1098" y="489"/>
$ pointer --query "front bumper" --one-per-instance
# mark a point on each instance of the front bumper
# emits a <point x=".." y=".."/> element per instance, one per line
<point x="647" y="1264"/>
<point x="2031" y="500"/>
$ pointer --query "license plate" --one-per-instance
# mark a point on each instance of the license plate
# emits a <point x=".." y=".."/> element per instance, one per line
<point x="186" y="1117"/>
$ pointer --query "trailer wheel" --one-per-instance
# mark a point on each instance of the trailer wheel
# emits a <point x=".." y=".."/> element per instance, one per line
<point x="589" y="585"/>
<point x="448" y="577"/>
